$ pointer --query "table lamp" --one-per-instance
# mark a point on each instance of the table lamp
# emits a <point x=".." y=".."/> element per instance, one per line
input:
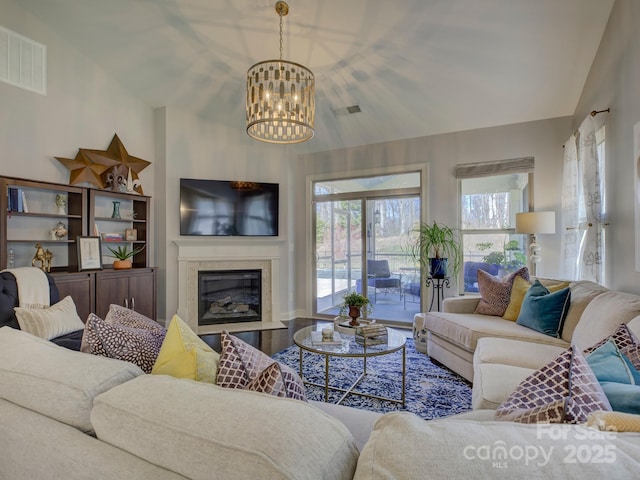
<point x="535" y="223"/>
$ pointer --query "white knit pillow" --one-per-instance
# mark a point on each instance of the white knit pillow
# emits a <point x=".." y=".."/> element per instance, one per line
<point x="51" y="322"/>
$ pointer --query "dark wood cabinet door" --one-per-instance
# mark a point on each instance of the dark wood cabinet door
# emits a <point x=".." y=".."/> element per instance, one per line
<point x="142" y="294"/>
<point x="135" y="289"/>
<point x="81" y="287"/>
<point x="111" y="287"/>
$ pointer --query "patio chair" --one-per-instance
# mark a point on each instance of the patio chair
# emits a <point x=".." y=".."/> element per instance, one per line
<point x="379" y="276"/>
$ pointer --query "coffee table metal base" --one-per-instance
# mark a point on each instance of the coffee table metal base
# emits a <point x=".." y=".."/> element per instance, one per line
<point x="350" y="390"/>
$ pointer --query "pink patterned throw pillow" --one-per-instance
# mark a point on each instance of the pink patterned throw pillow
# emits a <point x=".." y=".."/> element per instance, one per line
<point x="243" y="366"/>
<point x="496" y="292"/>
<point x="563" y="391"/>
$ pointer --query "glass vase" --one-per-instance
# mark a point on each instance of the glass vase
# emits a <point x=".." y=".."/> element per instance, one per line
<point x="116" y="209"/>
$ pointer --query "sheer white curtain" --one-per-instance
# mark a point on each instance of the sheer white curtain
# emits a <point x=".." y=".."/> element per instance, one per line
<point x="582" y="206"/>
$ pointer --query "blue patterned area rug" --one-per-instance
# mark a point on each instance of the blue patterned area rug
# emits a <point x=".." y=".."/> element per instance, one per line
<point x="432" y="391"/>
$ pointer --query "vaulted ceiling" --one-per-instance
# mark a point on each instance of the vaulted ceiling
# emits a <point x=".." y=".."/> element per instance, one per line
<point x="415" y="67"/>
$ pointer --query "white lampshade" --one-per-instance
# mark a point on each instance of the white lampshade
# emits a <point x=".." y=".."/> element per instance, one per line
<point x="536" y="222"/>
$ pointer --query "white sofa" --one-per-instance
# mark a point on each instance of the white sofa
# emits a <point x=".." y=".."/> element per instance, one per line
<point x="451" y="337"/>
<point x="70" y="415"/>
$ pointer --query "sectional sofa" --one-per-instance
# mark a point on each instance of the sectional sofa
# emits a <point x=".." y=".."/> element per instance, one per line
<point x="70" y="415"/>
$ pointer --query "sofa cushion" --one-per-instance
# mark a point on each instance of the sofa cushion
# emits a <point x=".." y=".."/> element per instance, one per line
<point x="603" y="315"/>
<point x="582" y="293"/>
<point x="131" y="318"/>
<point x="544" y="311"/>
<point x="223" y="433"/>
<point x="243" y="366"/>
<point x="496" y="292"/>
<point x="625" y="340"/>
<point x="139" y="346"/>
<point x="54" y="321"/>
<point x="458" y="448"/>
<point x="185" y="355"/>
<point x="53" y="380"/>
<point x="465" y="330"/>
<point x="499" y="365"/>
<point x="563" y="391"/>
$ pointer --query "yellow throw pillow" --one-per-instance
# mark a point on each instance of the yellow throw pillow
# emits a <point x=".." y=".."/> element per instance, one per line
<point x="614" y="421"/>
<point x="185" y="355"/>
<point x="518" y="291"/>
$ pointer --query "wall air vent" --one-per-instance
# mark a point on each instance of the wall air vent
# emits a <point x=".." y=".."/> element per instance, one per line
<point x="347" y="110"/>
<point x="23" y="62"/>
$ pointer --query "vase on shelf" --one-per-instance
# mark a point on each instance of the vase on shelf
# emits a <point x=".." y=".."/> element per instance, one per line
<point x="116" y="209"/>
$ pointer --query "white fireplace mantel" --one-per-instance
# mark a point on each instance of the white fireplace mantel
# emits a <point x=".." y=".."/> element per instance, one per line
<point x="196" y="255"/>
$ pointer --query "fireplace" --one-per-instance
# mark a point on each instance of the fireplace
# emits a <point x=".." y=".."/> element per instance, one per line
<point x="196" y="255"/>
<point x="229" y="296"/>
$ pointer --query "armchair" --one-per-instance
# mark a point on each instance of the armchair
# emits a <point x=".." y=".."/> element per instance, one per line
<point x="379" y="276"/>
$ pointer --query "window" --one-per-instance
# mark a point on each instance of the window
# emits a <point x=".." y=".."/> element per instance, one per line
<point x="490" y="196"/>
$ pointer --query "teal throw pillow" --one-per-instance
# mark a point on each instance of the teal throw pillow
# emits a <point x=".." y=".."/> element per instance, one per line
<point x="622" y="396"/>
<point x="544" y="311"/>
<point x="609" y="365"/>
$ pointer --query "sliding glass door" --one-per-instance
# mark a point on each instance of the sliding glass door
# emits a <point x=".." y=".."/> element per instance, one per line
<point x="360" y="234"/>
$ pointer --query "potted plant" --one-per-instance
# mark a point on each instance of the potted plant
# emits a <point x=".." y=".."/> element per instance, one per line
<point x="122" y="255"/>
<point x="355" y="303"/>
<point x="436" y="246"/>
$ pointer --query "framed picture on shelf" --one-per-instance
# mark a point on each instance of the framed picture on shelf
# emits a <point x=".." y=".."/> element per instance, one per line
<point x="89" y="253"/>
<point x="131" y="234"/>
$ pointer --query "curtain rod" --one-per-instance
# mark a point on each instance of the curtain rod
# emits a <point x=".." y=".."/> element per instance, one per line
<point x="593" y="114"/>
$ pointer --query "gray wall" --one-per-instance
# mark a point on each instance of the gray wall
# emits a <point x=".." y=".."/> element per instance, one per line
<point x="614" y="82"/>
<point x="441" y="153"/>
<point x="84" y="107"/>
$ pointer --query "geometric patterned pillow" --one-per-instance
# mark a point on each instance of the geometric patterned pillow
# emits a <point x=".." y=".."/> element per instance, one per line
<point x="625" y="340"/>
<point x="563" y="391"/>
<point x="242" y="365"/>
<point x="110" y="339"/>
<point x="270" y="381"/>
<point x="495" y="292"/>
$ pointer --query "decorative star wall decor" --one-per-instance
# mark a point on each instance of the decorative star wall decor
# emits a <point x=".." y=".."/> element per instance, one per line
<point x="94" y="166"/>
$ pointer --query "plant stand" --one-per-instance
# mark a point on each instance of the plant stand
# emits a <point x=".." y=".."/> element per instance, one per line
<point x="437" y="286"/>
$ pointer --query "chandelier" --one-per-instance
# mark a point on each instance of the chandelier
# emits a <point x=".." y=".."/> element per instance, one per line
<point x="280" y="98"/>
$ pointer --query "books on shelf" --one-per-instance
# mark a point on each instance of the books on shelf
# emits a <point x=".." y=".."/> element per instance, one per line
<point x="316" y="339"/>
<point x="17" y="200"/>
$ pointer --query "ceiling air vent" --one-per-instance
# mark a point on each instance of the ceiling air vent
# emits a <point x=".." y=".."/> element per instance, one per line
<point x="347" y="110"/>
<point x="23" y="62"/>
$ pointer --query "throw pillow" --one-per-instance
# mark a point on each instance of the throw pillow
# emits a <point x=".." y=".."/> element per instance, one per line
<point x="131" y="318"/>
<point x="614" y="421"/>
<point x="544" y="311"/>
<point x="609" y="365"/>
<point x="54" y="321"/>
<point x="623" y="397"/>
<point x="185" y="355"/>
<point x="626" y="341"/>
<point x="241" y="364"/>
<point x="110" y="339"/>
<point x="495" y="293"/>
<point x="270" y="381"/>
<point x="563" y="391"/>
<point x="518" y="291"/>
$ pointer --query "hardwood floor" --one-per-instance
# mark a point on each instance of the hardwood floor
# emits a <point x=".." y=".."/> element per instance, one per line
<point x="272" y="341"/>
<point x="268" y="341"/>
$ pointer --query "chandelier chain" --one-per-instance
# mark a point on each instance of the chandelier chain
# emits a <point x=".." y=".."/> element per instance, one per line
<point x="280" y="13"/>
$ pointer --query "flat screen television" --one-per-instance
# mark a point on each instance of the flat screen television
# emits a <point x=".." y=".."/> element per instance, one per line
<point x="228" y="208"/>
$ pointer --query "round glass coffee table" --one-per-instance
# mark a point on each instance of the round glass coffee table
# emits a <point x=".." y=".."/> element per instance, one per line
<point x="348" y="347"/>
